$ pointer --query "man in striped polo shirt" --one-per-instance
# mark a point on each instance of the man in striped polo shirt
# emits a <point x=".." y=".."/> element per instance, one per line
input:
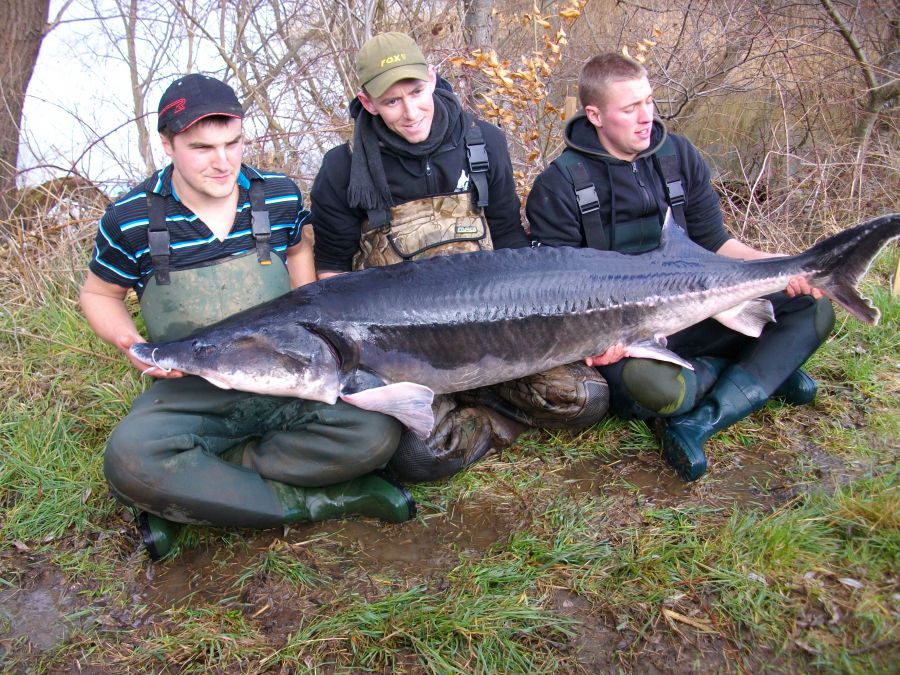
<point x="203" y="238"/>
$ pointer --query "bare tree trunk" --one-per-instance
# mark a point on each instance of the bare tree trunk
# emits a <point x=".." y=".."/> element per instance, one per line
<point x="22" y="24"/>
<point x="882" y="84"/>
<point x="138" y="88"/>
<point x="478" y="33"/>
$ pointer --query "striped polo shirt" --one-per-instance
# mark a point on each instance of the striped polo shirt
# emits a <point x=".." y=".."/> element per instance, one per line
<point x="122" y="255"/>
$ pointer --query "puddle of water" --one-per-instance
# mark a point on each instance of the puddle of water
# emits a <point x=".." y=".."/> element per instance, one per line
<point x="203" y="575"/>
<point x="427" y="547"/>
<point x="747" y="477"/>
<point x="41" y="615"/>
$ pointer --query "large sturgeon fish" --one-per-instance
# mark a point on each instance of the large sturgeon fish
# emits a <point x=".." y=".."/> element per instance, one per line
<point x="390" y="338"/>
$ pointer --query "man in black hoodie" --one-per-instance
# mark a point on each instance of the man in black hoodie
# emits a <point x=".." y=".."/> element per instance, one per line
<point x="610" y="190"/>
<point x="422" y="177"/>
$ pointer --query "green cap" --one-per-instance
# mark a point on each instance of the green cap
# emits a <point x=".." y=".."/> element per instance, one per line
<point x="388" y="58"/>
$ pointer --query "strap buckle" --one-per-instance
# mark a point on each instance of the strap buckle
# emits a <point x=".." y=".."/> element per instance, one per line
<point x="675" y="191"/>
<point x="478" y="157"/>
<point x="262" y="232"/>
<point x="588" y="202"/>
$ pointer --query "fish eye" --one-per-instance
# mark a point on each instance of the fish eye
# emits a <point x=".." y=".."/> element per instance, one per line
<point x="202" y="349"/>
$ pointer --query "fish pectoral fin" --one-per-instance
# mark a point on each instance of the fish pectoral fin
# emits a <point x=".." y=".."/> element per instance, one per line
<point x="656" y="349"/>
<point x="408" y="402"/>
<point x="749" y="317"/>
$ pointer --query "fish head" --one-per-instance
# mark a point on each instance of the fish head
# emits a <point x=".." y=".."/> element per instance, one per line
<point x="275" y="360"/>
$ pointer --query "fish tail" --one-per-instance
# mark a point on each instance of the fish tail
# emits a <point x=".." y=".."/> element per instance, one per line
<point x="837" y="264"/>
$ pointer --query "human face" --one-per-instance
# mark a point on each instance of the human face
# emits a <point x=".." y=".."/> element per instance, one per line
<point x="207" y="160"/>
<point x="625" y="120"/>
<point x="407" y="107"/>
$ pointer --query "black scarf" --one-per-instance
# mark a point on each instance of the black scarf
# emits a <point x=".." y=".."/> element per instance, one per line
<point x="368" y="188"/>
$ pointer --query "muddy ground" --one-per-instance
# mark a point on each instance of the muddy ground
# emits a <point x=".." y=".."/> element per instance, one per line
<point x="43" y="613"/>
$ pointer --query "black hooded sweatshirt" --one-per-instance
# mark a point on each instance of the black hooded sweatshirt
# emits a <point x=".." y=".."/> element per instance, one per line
<point x="626" y="190"/>
<point x="338" y="227"/>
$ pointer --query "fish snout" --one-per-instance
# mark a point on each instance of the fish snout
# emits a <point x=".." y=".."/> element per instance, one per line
<point x="142" y="351"/>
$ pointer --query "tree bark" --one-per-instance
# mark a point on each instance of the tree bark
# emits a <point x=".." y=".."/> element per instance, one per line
<point x="477" y="23"/>
<point x="22" y="24"/>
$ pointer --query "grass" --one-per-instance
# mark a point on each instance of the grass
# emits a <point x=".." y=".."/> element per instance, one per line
<point x="559" y="555"/>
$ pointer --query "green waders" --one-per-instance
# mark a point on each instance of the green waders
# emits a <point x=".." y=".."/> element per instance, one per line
<point x="164" y="458"/>
<point x="741" y="376"/>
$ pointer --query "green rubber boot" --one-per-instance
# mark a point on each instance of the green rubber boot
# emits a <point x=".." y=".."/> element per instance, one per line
<point x="798" y="389"/>
<point x="370" y="496"/>
<point x="735" y="395"/>
<point x="158" y="534"/>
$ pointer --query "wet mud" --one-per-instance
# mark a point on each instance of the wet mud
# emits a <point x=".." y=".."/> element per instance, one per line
<point x="40" y="610"/>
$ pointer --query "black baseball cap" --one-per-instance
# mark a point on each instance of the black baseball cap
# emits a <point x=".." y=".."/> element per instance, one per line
<point x="194" y="97"/>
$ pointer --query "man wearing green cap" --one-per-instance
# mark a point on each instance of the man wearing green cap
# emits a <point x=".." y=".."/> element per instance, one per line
<point x="422" y="177"/>
<point x="203" y="238"/>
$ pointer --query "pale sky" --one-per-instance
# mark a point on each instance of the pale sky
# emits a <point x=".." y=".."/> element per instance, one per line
<point x="75" y="102"/>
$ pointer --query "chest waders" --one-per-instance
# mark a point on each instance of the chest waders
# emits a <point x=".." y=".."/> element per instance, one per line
<point x="164" y="459"/>
<point x="638" y="387"/>
<point x="431" y="226"/>
<point x="171" y="305"/>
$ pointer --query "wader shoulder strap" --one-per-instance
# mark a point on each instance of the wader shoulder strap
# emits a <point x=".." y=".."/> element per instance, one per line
<point x="476" y="154"/>
<point x="259" y="222"/>
<point x="158" y="236"/>
<point x="477" y="158"/>
<point x="667" y="164"/>
<point x="158" y="231"/>
<point x="595" y="234"/>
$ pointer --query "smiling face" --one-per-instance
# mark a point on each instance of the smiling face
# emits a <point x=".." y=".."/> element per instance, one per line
<point x="206" y="159"/>
<point x="406" y="107"/>
<point x="625" y="119"/>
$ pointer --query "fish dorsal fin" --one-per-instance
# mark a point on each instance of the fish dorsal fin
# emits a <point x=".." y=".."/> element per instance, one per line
<point x="749" y="317"/>
<point x="674" y="242"/>
<point x="408" y="402"/>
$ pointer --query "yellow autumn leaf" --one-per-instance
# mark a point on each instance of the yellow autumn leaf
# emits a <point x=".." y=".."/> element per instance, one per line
<point x="570" y="14"/>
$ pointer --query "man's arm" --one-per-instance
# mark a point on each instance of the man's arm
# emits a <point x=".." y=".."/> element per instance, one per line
<point x="503" y="212"/>
<point x="552" y="211"/>
<point x="337" y="226"/>
<point x="103" y="304"/>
